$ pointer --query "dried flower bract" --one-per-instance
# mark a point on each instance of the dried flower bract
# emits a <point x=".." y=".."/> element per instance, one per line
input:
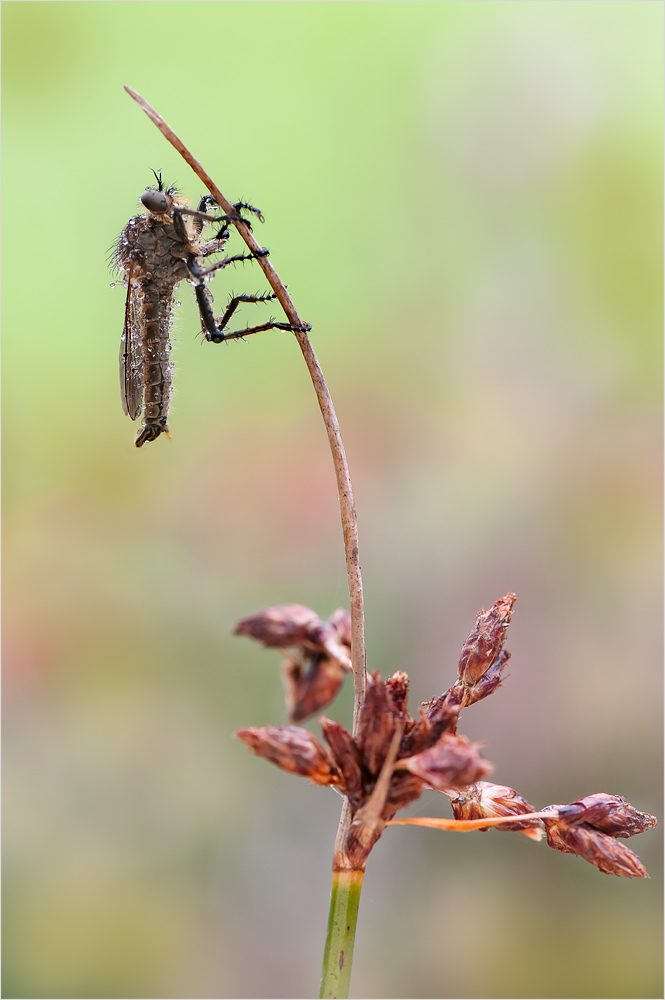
<point x="393" y="758"/>
<point x="590" y="827"/>
<point x="293" y="749"/>
<point x="426" y="756"/>
<point x="317" y="654"/>
<point x="485" y="800"/>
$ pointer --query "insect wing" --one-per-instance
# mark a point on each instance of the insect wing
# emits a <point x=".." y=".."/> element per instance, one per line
<point x="131" y="365"/>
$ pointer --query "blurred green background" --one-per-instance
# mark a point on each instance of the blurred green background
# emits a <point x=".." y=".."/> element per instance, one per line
<point x="465" y="200"/>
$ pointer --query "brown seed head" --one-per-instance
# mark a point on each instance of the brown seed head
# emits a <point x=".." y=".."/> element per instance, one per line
<point x="437" y="717"/>
<point x="360" y="759"/>
<point x="611" y="814"/>
<point x="293" y="749"/>
<point x="484" y="799"/>
<point x="295" y="626"/>
<point x="382" y="710"/>
<point x="453" y="762"/>
<point x="313" y="673"/>
<point x="309" y="690"/>
<point x="346" y="757"/>
<point x="486" y="684"/>
<point x="606" y="853"/>
<point x="590" y="828"/>
<point x="281" y="626"/>
<point x="376" y="769"/>
<point x="485" y="643"/>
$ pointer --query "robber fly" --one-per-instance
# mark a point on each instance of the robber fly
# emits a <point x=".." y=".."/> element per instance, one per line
<point x="155" y="251"/>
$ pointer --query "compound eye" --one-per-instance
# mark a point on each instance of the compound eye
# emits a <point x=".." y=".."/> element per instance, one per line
<point x="155" y="201"/>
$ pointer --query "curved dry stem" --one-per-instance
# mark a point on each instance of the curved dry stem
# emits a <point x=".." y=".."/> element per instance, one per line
<point x="346" y="501"/>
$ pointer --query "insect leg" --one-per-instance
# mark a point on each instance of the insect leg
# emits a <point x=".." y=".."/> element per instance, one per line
<point x="219" y="335"/>
<point x="207" y="199"/>
<point x="179" y="225"/>
<point x="202" y="272"/>
<point x="203" y="215"/>
<point x="204" y="302"/>
<point x="214" y="331"/>
<point x="235" y="302"/>
<point x="203" y="296"/>
<point x="239" y="205"/>
<point x="200" y="214"/>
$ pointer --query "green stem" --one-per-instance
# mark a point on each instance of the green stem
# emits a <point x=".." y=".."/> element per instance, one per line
<point x="338" y="954"/>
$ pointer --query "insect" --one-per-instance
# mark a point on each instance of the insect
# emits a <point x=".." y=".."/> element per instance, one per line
<point x="156" y="250"/>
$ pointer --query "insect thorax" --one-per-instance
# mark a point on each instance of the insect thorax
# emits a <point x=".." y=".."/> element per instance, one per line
<point x="152" y="247"/>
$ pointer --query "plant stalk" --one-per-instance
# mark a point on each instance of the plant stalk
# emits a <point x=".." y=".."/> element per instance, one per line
<point x="338" y="954"/>
<point x="347" y="881"/>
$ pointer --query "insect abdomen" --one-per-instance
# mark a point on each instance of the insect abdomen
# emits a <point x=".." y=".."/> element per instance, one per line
<point x="156" y="357"/>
